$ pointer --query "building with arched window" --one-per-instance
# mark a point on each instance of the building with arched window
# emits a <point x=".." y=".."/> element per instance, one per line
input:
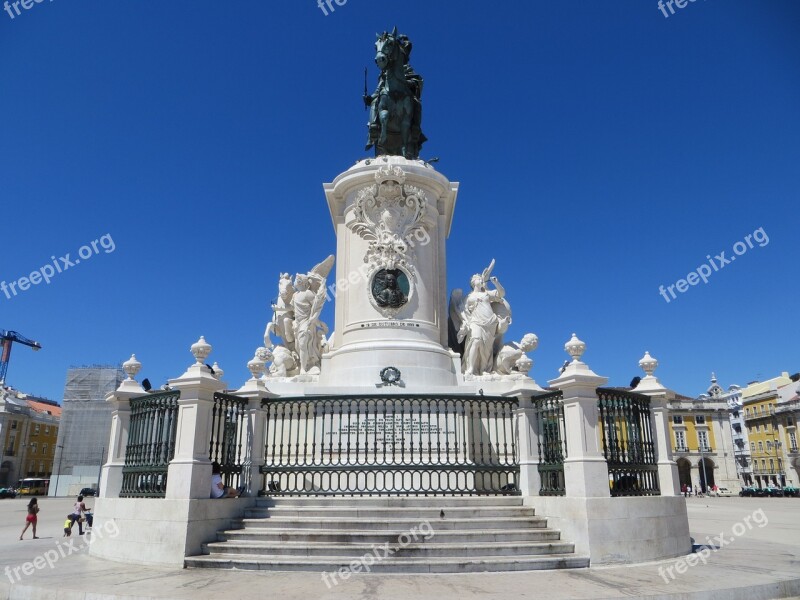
<point x="703" y="445"/>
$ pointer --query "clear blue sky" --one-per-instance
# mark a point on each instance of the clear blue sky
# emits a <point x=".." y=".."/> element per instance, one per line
<point x="602" y="149"/>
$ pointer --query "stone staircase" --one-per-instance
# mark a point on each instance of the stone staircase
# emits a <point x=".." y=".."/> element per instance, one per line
<point x="420" y="535"/>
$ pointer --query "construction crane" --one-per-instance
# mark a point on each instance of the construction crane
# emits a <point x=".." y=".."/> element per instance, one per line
<point x="7" y="338"/>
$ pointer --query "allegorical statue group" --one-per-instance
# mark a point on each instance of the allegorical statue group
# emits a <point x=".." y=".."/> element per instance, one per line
<point x="477" y="324"/>
<point x="296" y="320"/>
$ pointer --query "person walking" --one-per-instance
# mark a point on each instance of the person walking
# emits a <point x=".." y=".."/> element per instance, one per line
<point x="31" y="518"/>
<point x="78" y="510"/>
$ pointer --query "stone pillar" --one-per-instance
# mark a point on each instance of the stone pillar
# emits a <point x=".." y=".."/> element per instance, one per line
<point x="409" y="206"/>
<point x="528" y="447"/>
<point x="111" y="475"/>
<point x="585" y="468"/>
<point x="668" y="479"/>
<point x="255" y="391"/>
<point x="189" y="474"/>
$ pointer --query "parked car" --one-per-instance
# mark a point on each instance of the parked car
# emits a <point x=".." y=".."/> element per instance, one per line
<point x="8" y="493"/>
<point x="790" y="490"/>
<point x="752" y="491"/>
<point x="773" y="492"/>
<point x="721" y="492"/>
<point x="88" y="492"/>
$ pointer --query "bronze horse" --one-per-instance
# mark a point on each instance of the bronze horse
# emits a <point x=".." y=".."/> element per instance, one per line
<point x="396" y="110"/>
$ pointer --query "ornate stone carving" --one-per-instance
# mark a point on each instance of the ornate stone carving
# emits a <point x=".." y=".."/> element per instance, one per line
<point x="512" y="357"/>
<point x="131" y="367"/>
<point x="284" y="362"/>
<point x="200" y="350"/>
<point x="387" y="214"/>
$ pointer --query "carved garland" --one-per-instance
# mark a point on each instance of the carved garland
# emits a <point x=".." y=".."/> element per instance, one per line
<point x="389" y="214"/>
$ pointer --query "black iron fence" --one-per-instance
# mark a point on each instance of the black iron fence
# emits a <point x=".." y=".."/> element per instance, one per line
<point x="151" y="445"/>
<point x="627" y="438"/>
<point x="552" y="446"/>
<point x="383" y="445"/>
<point x="228" y="443"/>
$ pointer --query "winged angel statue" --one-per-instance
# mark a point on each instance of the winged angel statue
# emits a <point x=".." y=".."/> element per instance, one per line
<point x="477" y="323"/>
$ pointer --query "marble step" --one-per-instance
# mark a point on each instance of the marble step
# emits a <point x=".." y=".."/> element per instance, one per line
<point x="384" y="501"/>
<point x="470" y="536"/>
<point x="354" y="551"/>
<point x="393" y="523"/>
<point x="329" y="564"/>
<point x="415" y="512"/>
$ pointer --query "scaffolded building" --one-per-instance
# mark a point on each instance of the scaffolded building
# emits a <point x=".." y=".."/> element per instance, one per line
<point x="85" y="425"/>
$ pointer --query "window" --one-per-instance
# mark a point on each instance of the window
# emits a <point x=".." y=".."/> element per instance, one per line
<point x="47" y="430"/>
<point x="771" y="465"/>
<point x="769" y="447"/>
<point x="677" y="420"/>
<point x="702" y="440"/>
<point x="33" y="448"/>
<point x="700" y="419"/>
<point x="44" y="449"/>
<point x="13" y="424"/>
<point x="41" y="467"/>
<point x="789" y="421"/>
<point x="763" y="464"/>
<point x="752" y="446"/>
<point x="761" y="447"/>
<point x="36" y="429"/>
<point x="680" y="440"/>
<point x="793" y="441"/>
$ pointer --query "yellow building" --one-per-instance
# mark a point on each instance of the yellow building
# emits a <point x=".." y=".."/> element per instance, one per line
<point x="787" y="412"/>
<point x="702" y="445"/>
<point x="767" y="430"/>
<point x="28" y="434"/>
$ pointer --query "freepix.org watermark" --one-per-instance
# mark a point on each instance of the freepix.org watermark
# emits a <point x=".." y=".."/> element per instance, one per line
<point x="329" y="3"/>
<point x="424" y="530"/>
<point x="663" y="5"/>
<point x="713" y="544"/>
<point x="26" y="4"/>
<point x="704" y="271"/>
<point x="58" y="265"/>
<point x="63" y="549"/>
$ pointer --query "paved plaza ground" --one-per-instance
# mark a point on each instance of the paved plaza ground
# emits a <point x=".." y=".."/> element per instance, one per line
<point x="758" y="558"/>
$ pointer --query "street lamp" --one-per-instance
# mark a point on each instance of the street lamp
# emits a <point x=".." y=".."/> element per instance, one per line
<point x="100" y="468"/>
<point x="777" y="444"/>
<point x="704" y="487"/>
<point x="60" y="456"/>
<point x="2" y="456"/>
